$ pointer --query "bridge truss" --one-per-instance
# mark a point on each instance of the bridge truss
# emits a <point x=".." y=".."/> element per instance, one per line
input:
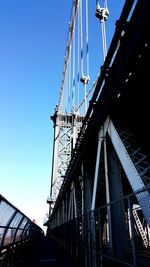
<point x="101" y="210"/>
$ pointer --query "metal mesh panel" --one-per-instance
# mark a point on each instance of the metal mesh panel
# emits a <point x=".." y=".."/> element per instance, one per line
<point x="6" y="211"/>
<point x="25" y="231"/>
<point x="16" y="220"/>
<point x="21" y="229"/>
<point x="19" y="235"/>
<point x="11" y="232"/>
<point x="9" y="236"/>
<point x="2" y="230"/>
<point x="14" y="225"/>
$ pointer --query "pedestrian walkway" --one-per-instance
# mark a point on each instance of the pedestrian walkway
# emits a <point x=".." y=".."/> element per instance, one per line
<point x="48" y="254"/>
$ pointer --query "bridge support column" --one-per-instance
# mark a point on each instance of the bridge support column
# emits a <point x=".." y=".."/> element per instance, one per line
<point x="95" y="182"/>
<point x="86" y="222"/>
<point x="118" y="219"/>
<point x="87" y="192"/>
<point x="108" y="196"/>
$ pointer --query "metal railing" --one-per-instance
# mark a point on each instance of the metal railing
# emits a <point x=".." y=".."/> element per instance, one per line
<point x="17" y="232"/>
<point x="91" y="239"/>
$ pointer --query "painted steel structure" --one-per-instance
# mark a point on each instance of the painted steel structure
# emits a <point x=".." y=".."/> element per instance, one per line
<point x="101" y="214"/>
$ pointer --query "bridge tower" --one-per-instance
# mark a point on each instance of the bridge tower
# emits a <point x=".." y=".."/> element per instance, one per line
<point x="72" y="104"/>
<point x="66" y="129"/>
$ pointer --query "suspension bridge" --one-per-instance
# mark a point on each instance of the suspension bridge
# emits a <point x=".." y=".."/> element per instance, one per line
<point x="99" y="203"/>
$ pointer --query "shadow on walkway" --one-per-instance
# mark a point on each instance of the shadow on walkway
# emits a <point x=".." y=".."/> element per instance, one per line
<point x="48" y="254"/>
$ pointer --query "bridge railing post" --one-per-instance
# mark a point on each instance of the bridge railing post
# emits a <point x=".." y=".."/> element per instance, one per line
<point x="100" y="237"/>
<point x="86" y="221"/>
<point x="93" y="238"/>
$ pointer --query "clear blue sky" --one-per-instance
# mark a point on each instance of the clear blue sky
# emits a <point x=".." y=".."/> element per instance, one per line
<point x="33" y="35"/>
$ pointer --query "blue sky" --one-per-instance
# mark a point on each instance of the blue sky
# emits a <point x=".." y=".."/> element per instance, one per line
<point x="33" y="36"/>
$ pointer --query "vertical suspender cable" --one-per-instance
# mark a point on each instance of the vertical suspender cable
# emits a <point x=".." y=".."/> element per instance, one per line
<point x="102" y="14"/>
<point x="73" y="73"/>
<point x="66" y="90"/>
<point x="81" y="38"/>
<point x="78" y="78"/>
<point x="68" y="100"/>
<point x="86" y="80"/>
<point x="104" y="27"/>
<point x="104" y="39"/>
<point x="72" y="24"/>
<point x="70" y="74"/>
<point x="105" y="4"/>
<point x="87" y="41"/>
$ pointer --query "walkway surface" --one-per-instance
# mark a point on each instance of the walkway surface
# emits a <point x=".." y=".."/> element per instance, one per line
<point x="48" y="254"/>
